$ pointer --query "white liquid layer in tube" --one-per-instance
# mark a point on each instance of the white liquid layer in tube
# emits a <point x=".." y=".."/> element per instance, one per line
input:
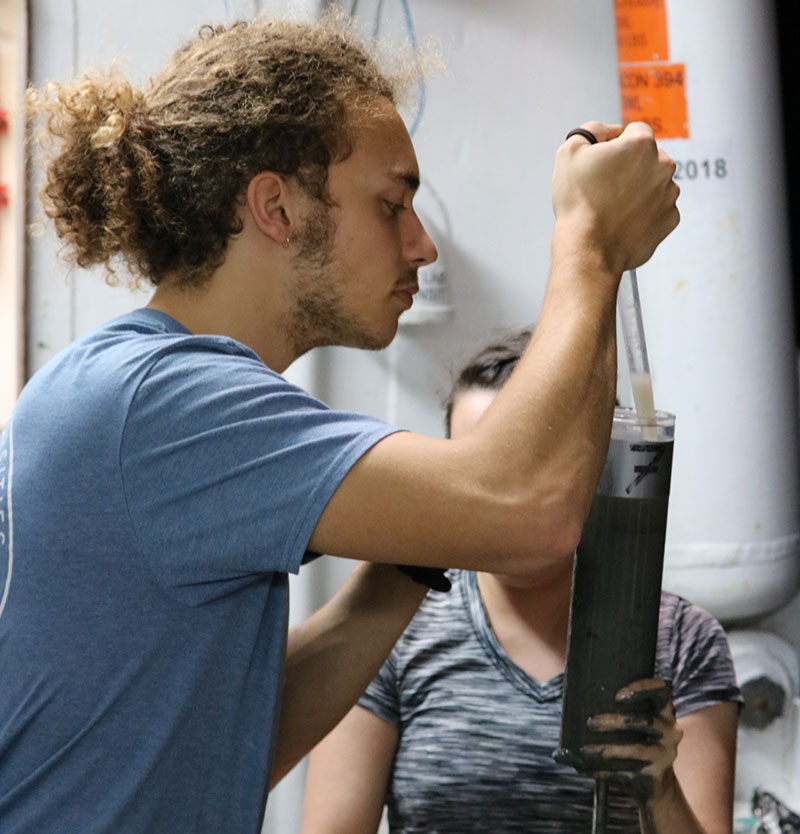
<point x="643" y="401"/>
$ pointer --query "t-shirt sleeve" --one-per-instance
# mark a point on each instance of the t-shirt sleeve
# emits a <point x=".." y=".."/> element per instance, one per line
<point x="227" y="467"/>
<point x="702" y="667"/>
<point x="382" y="698"/>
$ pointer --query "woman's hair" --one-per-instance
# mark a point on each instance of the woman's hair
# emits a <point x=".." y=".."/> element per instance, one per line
<point x="155" y="177"/>
<point x="489" y="369"/>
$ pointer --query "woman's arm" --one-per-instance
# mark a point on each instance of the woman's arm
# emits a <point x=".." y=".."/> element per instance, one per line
<point x="348" y="774"/>
<point x="706" y="763"/>
<point x="332" y="656"/>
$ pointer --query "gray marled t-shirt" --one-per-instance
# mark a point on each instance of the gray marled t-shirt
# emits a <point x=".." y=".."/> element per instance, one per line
<point x="477" y="733"/>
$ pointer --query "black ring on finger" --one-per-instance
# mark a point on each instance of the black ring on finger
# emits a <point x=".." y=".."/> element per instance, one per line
<point x="581" y="131"/>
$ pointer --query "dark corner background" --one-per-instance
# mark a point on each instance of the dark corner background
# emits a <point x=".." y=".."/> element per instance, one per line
<point x="790" y="77"/>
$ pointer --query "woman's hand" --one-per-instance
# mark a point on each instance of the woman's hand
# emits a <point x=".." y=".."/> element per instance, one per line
<point x="643" y="742"/>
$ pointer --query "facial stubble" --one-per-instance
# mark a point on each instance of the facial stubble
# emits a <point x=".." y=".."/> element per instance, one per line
<point x="320" y="316"/>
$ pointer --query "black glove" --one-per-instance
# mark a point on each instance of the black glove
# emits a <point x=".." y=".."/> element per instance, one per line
<point x="432" y="577"/>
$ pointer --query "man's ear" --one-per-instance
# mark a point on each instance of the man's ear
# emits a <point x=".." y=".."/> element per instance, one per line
<point x="272" y="203"/>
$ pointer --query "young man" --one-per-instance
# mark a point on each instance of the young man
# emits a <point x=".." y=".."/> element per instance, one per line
<point x="163" y="478"/>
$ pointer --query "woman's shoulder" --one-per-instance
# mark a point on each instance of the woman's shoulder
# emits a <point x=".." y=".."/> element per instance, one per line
<point x="693" y="655"/>
<point x="679" y="616"/>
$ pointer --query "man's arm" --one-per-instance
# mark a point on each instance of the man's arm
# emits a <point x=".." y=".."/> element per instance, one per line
<point x="347" y="776"/>
<point x="518" y="488"/>
<point x="332" y="656"/>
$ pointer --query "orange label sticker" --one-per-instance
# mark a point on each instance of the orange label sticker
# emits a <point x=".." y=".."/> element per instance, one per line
<point x="655" y="94"/>
<point x="641" y="30"/>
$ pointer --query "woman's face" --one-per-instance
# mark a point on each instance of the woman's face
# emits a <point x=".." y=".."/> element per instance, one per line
<point x="468" y="408"/>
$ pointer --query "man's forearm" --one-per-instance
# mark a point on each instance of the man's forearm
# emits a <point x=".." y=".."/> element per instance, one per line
<point x="332" y="656"/>
<point x="554" y="415"/>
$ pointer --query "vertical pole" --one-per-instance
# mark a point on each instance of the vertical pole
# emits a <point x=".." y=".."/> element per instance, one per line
<point x="600" y="806"/>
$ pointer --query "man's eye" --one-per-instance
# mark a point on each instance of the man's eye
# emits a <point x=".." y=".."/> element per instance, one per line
<point x="394" y="208"/>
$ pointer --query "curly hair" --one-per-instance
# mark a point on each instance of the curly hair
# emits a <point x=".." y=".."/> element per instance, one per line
<point x="489" y="369"/>
<point x="155" y="177"/>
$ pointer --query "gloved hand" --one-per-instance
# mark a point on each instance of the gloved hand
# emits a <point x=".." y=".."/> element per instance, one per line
<point x="644" y="737"/>
<point x="432" y="577"/>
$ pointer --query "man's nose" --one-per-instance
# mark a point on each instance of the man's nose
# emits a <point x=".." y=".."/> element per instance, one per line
<point x="422" y="250"/>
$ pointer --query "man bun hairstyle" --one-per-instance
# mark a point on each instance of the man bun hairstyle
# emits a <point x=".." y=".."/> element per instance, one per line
<point x="155" y="177"/>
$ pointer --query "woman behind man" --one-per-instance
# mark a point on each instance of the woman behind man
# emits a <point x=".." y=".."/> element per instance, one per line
<point x="457" y="731"/>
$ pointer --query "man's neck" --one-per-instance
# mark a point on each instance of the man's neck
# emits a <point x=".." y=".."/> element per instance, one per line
<point x="241" y="300"/>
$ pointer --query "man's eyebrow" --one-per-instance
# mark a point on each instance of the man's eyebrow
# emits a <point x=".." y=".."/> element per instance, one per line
<point x="408" y="178"/>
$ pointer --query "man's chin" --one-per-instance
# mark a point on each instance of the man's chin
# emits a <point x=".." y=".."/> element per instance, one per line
<point x="375" y="342"/>
<point x="375" y="338"/>
<point x="361" y="340"/>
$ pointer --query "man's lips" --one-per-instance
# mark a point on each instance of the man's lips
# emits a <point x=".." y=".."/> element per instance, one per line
<point x="406" y="293"/>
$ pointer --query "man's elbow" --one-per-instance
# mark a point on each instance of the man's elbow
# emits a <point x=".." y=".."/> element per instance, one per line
<point x="537" y="532"/>
<point x="566" y="535"/>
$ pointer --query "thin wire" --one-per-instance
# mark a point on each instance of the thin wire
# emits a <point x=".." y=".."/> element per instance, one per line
<point x="73" y="288"/>
<point x="376" y="26"/>
<point x="413" y="39"/>
<point x="353" y="7"/>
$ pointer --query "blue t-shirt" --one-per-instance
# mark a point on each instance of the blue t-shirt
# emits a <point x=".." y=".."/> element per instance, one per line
<point x="156" y="487"/>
